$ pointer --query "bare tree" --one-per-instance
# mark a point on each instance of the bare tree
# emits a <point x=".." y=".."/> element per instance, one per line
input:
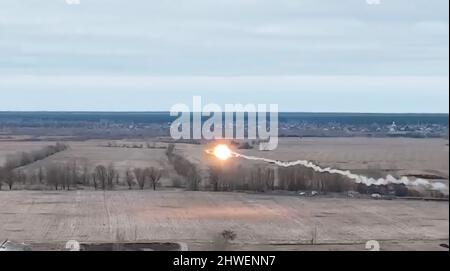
<point x="117" y="178"/>
<point x="40" y="175"/>
<point x="111" y="174"/>
<point x="1" y="177"/>
<point x="72" y="174"/>
<point x="129" y="178"/>
<point x="101" y="173"/>
<point x="65" y="176"/>
<point x="12" y="161"/>
<point x="193" y="178"/>
<point x="20" y="176"/>
<point x="33" y="178"/>
<point x="185" y="168"/>
<point x="26" y="158"/>
<point x="9" y="177"/>
<point x="170" y="151"/>
<point x="94" y="180"/>
<point x="85" y="172"/>
<point x="214" y="177"/>
<point x="53" y="176"/>
<point x="154" y="175"/>
<point x="270" y="178"/>
<point x="139" y="174"/>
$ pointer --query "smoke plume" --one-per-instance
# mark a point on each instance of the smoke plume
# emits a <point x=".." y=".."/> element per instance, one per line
<point x="360" y="179"/>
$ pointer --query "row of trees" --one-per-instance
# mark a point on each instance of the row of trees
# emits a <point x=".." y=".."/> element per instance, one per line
<point x="10" y="172"/>
<point x="147" y="145"/>
<point x="142" y="176"/>
<point x="185" y="168"/>
<point x="238" y="178"/>
<point x="25" y="158"/>
<point x="10" y="177"/>
<point x="65" y="176"/>
<point x="296" y="178"/>
<point x="232" y="176"/>
<point x="302" y="178"/>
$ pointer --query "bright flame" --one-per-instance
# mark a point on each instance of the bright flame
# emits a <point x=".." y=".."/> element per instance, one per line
<point x="222" y="152"/>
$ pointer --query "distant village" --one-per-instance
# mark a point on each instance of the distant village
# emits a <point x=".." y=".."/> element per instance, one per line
<point x="122" y="125"/>
<point x="378" y="130"/>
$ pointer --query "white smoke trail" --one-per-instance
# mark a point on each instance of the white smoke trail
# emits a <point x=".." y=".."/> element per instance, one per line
<point x="357" y="178"/>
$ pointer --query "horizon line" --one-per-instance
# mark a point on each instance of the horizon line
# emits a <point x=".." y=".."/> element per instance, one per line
<point x="280" y="112"/>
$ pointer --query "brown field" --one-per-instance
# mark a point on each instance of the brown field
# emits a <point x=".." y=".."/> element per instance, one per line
<point x="263" y="222"/>
<point x="94" y="153"/>
<point x="401" y="156"/>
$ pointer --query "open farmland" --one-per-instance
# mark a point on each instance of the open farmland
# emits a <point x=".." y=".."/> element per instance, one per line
<point x="267" y="221"/>
<point x="260" y="221"/>
<point x="91" y="153"/>
<point x="375" y="157"/>
<point x="379" y="156"/>
<point x="96" y="152"/>
<point x="387" y="155"/>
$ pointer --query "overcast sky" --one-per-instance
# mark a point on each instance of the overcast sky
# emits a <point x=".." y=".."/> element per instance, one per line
<point x="145" y="55"/>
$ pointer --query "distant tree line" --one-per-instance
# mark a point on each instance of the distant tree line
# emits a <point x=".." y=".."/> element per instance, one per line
<point x="25" y="158"/>
<point x="147" y="145"/>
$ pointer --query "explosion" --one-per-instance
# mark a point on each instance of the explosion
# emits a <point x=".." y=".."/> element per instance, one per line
<point x="222" y="152"/>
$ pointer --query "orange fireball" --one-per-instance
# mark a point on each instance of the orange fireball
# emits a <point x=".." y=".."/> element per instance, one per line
<point x="222" y="152"/>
